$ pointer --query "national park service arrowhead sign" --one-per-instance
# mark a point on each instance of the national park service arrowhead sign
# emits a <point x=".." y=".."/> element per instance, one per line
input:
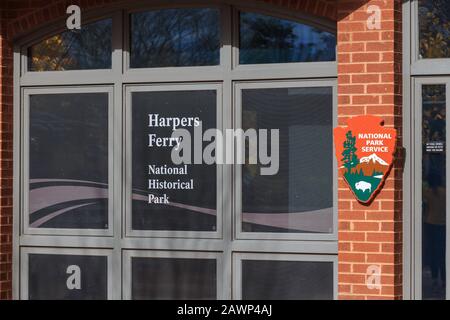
<point x="365" y="154"/>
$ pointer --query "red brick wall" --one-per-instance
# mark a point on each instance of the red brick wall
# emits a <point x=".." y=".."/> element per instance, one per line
<point x="369" y="82"/>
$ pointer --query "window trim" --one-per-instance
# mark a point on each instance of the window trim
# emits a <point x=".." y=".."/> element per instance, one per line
<point x="240" y="256"/>
<point x="129" y="232"/>
<point x="127" y="274"/>
<point x="26" y="229"/>
<point x="237" y="175"/>
<point x="26" y="251"/>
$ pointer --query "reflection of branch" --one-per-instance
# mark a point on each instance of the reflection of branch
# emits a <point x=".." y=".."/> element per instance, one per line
<point x="66" y="52"/>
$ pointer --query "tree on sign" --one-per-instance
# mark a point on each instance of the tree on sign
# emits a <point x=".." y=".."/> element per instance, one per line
<point x="350" y="159"/>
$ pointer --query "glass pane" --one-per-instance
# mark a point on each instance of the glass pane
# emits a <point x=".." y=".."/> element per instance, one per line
<point x="71" y="277"/>
<point x="173" y="279"/>
<point x="87" y="48"/>
<point x="68" y="161"/>
<point x="286" y="280"/>
<point x="433" y="191"/>
<point x="434" y="28"/>
<point x="168" y="196"/>
<point x="300" y="196"/>
<point x="266" y="39"/>
<point x="174" y="38"/>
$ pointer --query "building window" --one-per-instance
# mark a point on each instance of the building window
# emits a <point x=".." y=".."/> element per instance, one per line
<point x="175" y="38"/>
<point x="99" y="194"/>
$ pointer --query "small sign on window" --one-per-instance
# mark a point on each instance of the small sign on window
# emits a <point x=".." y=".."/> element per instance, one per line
<point x="435" y="146"/>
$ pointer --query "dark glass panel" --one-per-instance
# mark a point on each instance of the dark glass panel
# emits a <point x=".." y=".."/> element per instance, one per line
<point x="266" y="39"/>
<point x="87" y="48"/>
<point x="68" y="161"/>
<point x="287" y="280"/>
<point x="174" y="279"/>
<point x="299" y="198"/>
<point x="67" y="277"/>
<point x="434" y="28"/>
<point x="175" y="38"/>
<point x="187" y="209"/>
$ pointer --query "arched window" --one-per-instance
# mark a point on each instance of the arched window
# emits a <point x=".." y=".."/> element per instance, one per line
<point x="100" y="190"/>
<point x="434" y="29"/>
<point x="88" y="48"/>
<point x="426" y="87"/>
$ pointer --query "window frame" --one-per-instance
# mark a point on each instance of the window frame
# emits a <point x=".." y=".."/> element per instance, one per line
<point x="318" y="23"/>
<point x="128" y="254"/>
<point x="414" y="71"/>
<point x="240" y="256"/>
<point x="26" y="251"/>
<point x="55" y="29"/>
<point x="26" y="163"/>
<point x="129" y="232"/>
<point x="239" y="87"/>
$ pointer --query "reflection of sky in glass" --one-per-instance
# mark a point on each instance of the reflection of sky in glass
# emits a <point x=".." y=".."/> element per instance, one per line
<point x="265" y="39"/>
<point x="175" y="37"/>
<point x="88" y="48"/>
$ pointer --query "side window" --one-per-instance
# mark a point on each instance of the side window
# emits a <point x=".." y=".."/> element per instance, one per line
<point x="106" y="208"/>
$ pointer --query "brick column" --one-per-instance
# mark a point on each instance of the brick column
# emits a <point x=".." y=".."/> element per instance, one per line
<point x="369" y="82"/>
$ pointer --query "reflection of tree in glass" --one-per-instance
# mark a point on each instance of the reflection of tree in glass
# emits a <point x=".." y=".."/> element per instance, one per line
<point x="265" y="39"/>
<point x="175" y="37"/>
<point x="433" y="126"/>
<point x="350" y="159"/>
<point x="88" y="48"/>
<point x="434" y="17"/>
